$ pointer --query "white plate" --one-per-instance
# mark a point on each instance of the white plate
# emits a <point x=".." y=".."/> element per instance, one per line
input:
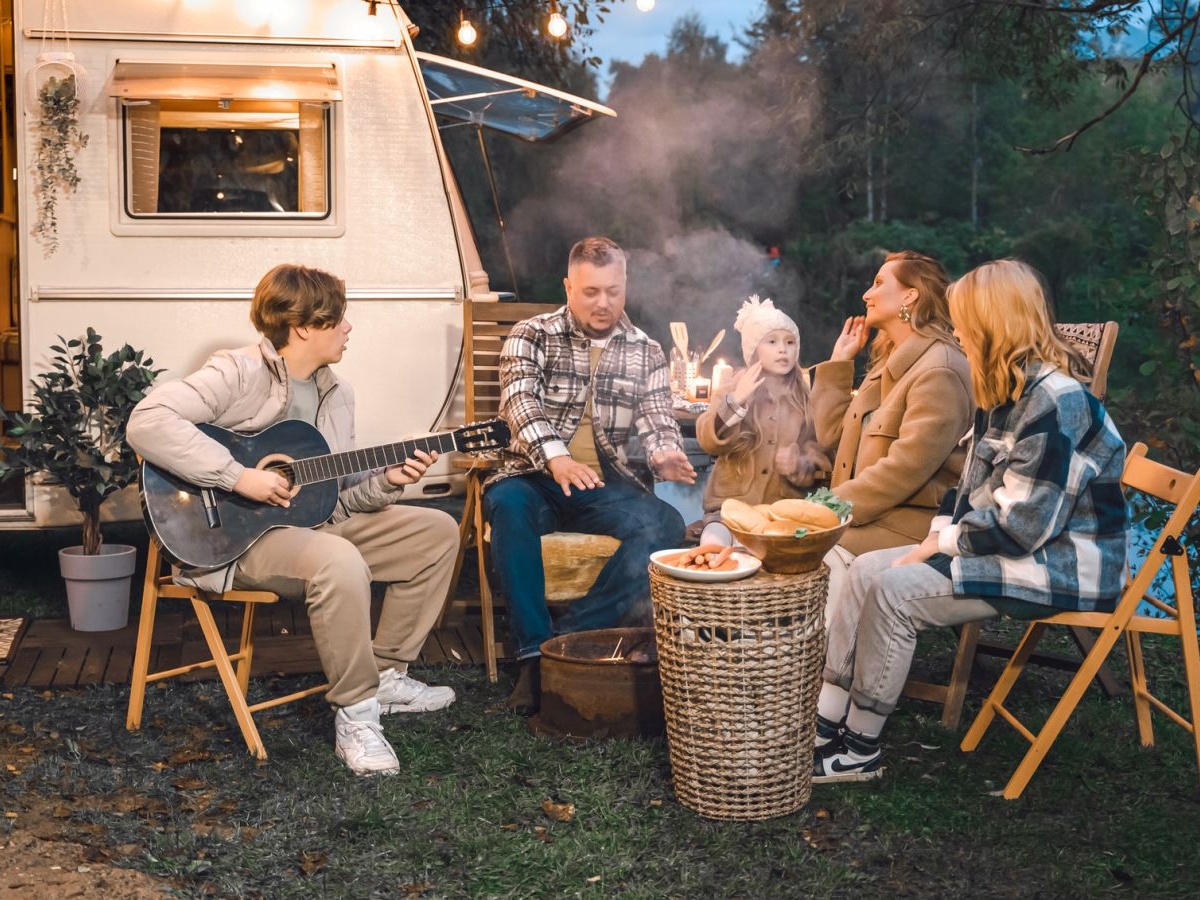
<point x="746" y="565"/>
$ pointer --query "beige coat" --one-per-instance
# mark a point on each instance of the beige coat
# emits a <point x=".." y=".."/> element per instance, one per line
<point x="756" y="477"/>
<point x="916" y="406"/>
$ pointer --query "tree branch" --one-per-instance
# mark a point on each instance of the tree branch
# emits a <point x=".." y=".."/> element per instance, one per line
<point x="1067" y="140"/>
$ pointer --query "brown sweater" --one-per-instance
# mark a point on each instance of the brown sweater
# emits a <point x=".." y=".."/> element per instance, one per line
<point x="917" y="406"/>
<point x="755" y="476"/>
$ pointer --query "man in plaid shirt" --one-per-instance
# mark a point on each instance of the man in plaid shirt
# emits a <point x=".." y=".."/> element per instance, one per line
<point x="577" y="385"/>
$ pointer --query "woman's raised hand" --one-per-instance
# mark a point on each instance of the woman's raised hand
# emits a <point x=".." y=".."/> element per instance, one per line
<point x="747" y="384"/>
<point x="852" y="339"/>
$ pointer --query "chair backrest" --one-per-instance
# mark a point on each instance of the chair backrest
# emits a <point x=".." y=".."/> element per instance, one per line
<point x="1182" y="491"/>
<point x="1095" y="342"/>
<point x="485" y="326"/>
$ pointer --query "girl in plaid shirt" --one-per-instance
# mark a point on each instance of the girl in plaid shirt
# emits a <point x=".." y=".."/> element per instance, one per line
<point x="1037" y="522"/>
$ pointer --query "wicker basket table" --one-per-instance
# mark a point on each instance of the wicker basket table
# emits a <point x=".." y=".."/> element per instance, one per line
<point x="740" y="664"/>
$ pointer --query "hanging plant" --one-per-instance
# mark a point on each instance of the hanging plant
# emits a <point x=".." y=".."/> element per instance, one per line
<point x="59" y="138"/>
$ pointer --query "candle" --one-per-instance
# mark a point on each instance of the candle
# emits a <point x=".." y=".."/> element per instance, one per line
<point x="721" y="372"/>
<point x="701" y="389"/>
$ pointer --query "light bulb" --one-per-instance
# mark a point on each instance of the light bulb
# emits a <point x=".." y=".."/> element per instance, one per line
<point x="645" y="5"/>
<point x="557" y="26"/>
<point x="467" y="33"/>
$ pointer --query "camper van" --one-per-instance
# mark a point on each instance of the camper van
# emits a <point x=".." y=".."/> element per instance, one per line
<point x="225" y="137"/>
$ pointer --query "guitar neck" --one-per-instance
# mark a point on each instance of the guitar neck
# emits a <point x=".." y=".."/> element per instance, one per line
<point x="312" y="469"/>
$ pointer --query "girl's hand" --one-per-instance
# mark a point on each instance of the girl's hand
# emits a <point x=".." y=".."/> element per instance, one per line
<point x="851" y="341"/>
<point x="747" y="384"/>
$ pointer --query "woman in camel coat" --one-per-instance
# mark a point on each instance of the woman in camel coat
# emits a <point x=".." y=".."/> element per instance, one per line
<point x="897" y="436"/>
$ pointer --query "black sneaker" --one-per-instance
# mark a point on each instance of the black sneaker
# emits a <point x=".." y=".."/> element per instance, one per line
<point x="827" y="731"/>
<point x="852" y="758"/>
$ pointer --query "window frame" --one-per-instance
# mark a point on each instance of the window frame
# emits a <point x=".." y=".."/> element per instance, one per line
<point x="124" y="221"/>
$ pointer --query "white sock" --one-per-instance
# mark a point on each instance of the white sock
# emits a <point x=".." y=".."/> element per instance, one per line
<point x="362" y="711"/>
<point x="833" y="702"/>
<point x="868" y="724"/>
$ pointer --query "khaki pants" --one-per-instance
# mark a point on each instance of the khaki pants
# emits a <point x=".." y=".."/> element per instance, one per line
<point x="410" y="548"/>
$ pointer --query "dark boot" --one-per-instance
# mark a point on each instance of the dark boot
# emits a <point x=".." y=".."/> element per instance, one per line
<point x="526" y="696"/>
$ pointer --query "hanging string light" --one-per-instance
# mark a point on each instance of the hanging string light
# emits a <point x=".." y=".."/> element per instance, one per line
<point x="467" y="34"/>
<point x="556" y="26"/>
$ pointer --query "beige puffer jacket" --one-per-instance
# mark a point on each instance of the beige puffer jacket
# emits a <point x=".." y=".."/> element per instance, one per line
<point x="244" y="390"/>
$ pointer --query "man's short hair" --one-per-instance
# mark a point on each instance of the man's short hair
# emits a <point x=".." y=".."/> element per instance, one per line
<point x="596" y="251"/>
<point x="291" y="295"/>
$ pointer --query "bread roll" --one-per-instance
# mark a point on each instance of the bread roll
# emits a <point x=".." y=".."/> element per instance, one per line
<point x="742" y="516"/>
<point x="813" y="516"/>
<point x="782" y="527"/>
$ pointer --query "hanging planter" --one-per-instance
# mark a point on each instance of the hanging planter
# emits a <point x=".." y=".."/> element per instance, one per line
<point x="55" y="85"/>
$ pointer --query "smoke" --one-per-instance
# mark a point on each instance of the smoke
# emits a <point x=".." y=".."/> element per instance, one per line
<point x="696" y="178"/>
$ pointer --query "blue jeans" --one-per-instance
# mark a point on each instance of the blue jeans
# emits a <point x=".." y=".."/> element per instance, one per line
<point x="522" y="508"/>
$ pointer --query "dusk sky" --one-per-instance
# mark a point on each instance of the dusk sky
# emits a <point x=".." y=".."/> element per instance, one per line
<point x="629" y="35"/>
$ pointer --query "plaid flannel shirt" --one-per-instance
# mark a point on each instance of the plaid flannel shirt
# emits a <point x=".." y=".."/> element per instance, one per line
<point x="1038" y="514"/>
<point x="544" y="374"/>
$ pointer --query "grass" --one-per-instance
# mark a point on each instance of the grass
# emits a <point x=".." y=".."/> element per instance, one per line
<point x="182" y="800"/>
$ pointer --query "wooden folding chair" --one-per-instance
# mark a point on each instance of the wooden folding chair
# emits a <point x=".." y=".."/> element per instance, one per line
<point x="1179" y="620"/>
<point x="1095" y="342"/>
<point x="485" y="326"/>
<point x="159" y="586"/>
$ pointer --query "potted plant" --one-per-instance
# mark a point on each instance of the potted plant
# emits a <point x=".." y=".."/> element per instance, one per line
<point x="59" y="137"/>
<point x="75" y="435"/>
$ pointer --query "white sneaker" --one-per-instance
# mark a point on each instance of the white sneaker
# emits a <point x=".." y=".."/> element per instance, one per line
<point x="401" y="693"/>
<point x="360" y="743"/>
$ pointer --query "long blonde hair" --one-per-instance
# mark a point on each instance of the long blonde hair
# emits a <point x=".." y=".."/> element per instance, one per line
<point x="750" y="438"/>
<point x="1002" y="310"/>
<point x="930" y="315"/>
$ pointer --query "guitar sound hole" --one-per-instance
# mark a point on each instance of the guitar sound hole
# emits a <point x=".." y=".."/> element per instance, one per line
<point x="283" y="469"/>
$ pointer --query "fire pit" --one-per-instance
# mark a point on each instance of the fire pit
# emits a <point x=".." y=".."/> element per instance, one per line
<point x="600" y="684"/>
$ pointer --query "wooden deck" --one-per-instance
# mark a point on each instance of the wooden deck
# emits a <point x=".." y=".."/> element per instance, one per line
<point x="52" y="655"/>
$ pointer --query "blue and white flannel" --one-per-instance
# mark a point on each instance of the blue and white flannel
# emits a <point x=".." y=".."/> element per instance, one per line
<point x="1038" y="514"/>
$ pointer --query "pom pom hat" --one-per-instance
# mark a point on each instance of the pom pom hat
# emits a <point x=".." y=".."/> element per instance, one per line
<point x="758" y="318"/>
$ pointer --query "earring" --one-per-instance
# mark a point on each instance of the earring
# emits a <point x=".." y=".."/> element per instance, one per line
<point x="905" y="314"/>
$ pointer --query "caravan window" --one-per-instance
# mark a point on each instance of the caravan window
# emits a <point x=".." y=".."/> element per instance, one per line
<point x="244" y="142"/>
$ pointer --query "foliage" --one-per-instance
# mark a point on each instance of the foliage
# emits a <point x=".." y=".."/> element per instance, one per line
<point x="76" y="432"/>
<point x="58" y="139"/>
<point x="512" y="34"/>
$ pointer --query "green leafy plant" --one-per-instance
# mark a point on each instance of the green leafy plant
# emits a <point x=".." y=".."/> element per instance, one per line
<point x="76" y="431"/>
<point x="58" y="139"/>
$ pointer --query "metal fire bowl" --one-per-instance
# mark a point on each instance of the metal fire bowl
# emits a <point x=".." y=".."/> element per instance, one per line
<point x="587" y="694"/>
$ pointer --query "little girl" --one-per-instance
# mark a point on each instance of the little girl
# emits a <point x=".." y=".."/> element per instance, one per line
<point x="758" y="424"/>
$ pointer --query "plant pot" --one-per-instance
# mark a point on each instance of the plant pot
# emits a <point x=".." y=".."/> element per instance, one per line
<point x="98" y="586"/>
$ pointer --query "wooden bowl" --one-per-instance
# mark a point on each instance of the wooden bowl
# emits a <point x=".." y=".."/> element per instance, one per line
<point x="790" y="555"/>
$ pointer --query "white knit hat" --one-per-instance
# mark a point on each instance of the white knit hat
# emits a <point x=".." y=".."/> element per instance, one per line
<point x="758" y="318"/>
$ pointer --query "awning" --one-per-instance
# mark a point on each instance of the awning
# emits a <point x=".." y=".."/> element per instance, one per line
<point x="476" y="96"/>
<point x="133" y="80"/>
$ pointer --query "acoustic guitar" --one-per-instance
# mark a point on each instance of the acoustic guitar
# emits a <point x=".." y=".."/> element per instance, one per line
<point x="207" y="528"/>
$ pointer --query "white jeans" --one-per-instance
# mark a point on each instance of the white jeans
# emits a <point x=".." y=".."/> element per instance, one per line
<point x="838" y="559"/>
<point x="874" y="620"/>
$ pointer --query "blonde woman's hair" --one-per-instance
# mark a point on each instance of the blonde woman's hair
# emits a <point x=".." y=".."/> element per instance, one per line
<point x="930" y="315"/>
<point x="1002" y="310"/>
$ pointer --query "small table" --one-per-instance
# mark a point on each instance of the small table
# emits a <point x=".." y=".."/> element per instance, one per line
<point x="740" y="664"/>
